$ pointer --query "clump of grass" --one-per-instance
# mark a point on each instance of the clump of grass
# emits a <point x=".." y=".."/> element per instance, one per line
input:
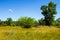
<point x="8" y="33"/>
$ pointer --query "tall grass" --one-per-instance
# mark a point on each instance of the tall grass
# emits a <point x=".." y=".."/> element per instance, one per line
<point x="40" y="33"/>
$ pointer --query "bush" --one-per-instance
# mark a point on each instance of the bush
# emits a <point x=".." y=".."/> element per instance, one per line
<point x="9" y="21"/>
<point x="26" y="22"/>
<point x="36" y="24"/>
<point x="41" y="21"/>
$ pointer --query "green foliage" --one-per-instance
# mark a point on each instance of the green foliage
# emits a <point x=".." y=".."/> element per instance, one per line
<point x="41" y="21"/>
<point x="3" y="23"/>
<point x="58" y="22"/>
<point x="14" y="23"/>
<point x="9" y="21"/>
<point x="48" y="13"/>
<point x="0" y="22"/>
<point x="26" y="22"/>
<point x="36" y="24"/>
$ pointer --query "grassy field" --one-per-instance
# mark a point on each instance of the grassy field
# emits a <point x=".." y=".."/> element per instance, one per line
<point x="40" y="33"/>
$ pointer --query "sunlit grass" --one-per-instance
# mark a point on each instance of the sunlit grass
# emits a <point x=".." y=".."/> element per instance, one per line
<point x="38" y="33"/>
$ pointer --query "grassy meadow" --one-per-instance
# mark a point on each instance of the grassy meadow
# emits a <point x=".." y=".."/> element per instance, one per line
<point x="39" y="33"/>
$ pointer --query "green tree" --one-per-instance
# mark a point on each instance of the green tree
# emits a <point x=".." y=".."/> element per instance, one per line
<point x="58" y="22"/>
<point x="0" y="22"/>
<point x="36" y="24"/>
<point x="14" y="23"/>
<point x="9" y="21"/>
<point x="26" y="22"/>
<point x="41" y="21"/>
<point x="49" y="12"/>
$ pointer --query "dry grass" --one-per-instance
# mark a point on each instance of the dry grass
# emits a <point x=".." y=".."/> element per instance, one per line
<point x="39" y="33"/>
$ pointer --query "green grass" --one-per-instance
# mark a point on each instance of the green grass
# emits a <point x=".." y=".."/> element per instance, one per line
<point x="40" y="33"/>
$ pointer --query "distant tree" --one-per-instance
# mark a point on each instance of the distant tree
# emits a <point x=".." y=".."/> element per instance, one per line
<point x="41" y="21"/>
<point x="9" y="21"/>
<point x="58" y="22"/>
<point x="14" y="23"/>
<point x="0" y="22"/>
<point x="26" y="22"/>
<point x="36" y="24"/>
<point x="3" y="23"/>
<point x="49" y="12"/>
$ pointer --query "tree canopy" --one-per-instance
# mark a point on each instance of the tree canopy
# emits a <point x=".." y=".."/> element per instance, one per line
<point x="48" y="12"/>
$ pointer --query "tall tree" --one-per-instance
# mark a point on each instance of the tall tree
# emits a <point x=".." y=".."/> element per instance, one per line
<point x="49" y="12"/>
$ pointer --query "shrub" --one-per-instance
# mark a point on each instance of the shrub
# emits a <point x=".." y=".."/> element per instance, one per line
<point x="36" y="24"/>
<point x="26" y="22"/>
<point x="41" y="21"/>
<point x="9" y="21"/>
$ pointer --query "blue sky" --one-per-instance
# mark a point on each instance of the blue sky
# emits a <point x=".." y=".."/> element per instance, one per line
<point x="31" y="8"/>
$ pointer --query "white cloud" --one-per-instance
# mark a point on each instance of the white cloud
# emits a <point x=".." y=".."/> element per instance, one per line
<point x="10" y="10"/>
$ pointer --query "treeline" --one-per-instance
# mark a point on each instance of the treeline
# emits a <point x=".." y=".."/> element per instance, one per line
<point x="48" y="11"/>
<point x="23" y="22"/>
<point x="27" y="22"/>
